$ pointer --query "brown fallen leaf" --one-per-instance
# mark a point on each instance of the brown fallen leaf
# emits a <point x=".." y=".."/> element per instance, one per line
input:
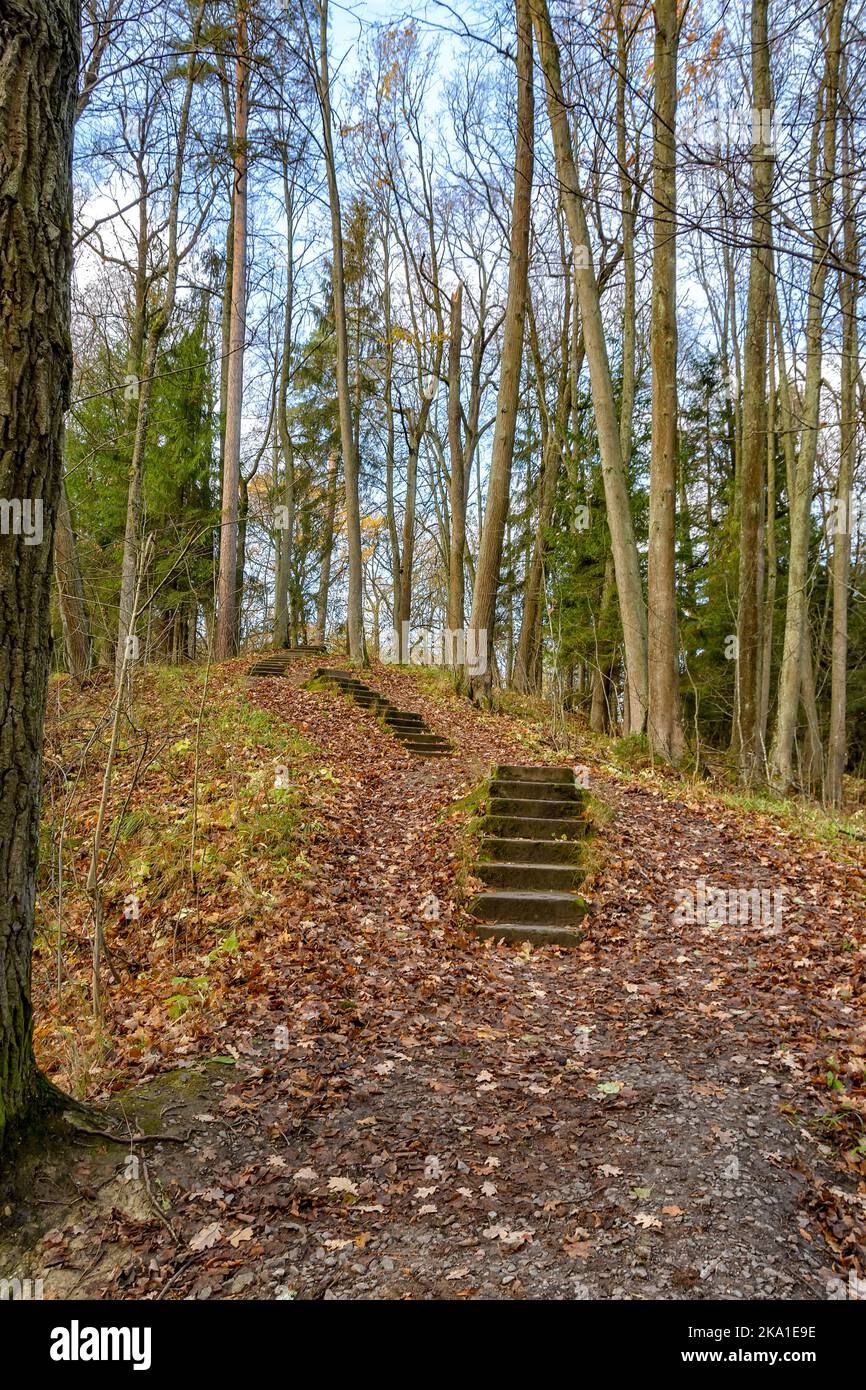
<point x="207" y="1237"/>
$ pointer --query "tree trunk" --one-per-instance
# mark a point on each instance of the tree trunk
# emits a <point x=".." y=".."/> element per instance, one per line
<point x="225" y="644"/>
<point x="625" y="556"/>
<point x="457" y="477"/>
<point x="665" y="729"/>
<point x="527" y="665"/>
<point x="754" y="411"/>
<point x="286" y="533"/>
<point x="327" y="546"/>
<point x="800" y="500"/>
<point x="158" y="326"/>
<point x="770" y="532"/>
<point x="39" y="54"/>
<point x="483" y="615"/>
<point x="355" y="615"/>
<point x="627" y="212"/>
<point x="848" y="297"/>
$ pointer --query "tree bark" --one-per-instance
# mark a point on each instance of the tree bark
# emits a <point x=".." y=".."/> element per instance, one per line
<point x="527" y="664"/>
<point x="225" y="643"/>
<point x="327" y="546"/>
<point x="626" y="563"/>
<point x="800" y="499"/>
<point x="457" y="475"/>
<point x="355" y="615"/>
<point x="286" y="533"/>
<point x="483" y="614"/>
<point x="665" y="728"/>
<point x="749" y="744"/>
<point x="39" y="55"/>
<point x="159" y="324"/>
<point x="848" y="298"/>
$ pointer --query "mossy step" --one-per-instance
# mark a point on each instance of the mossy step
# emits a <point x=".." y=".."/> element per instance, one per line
<point x="524" y="878"/>
<point x="510" y="773"/>
<point x="529" y="851"/>
<point x="535" y="806"/>
<point x="549" y="791"/>
<point x="535" y="827"/>
<point x="544" y="907"/>
<point x="526" y="931"/>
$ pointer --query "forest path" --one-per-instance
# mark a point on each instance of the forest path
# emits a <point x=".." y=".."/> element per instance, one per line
<point x="622" y="1120"/>
<point x="415" y="1113"/>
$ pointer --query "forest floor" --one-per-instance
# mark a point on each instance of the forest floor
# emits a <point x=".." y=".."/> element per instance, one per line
<point x="368" y="1102"/>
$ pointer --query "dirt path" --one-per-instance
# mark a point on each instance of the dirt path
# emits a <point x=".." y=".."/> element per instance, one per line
<point x="414" y="1113"/>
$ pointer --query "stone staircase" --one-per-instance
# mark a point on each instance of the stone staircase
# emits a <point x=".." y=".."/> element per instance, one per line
<point x="408" y="727"/>
<point x="277" y="663"/>
<point x="531" y="857"/>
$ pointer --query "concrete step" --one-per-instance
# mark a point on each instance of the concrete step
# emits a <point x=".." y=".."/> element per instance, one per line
<point x="425" y="752"/>
<point x="544" y="791"/>
<point x="507" y="876"/>
<point x="544" y="908"/>
<point x="509" y="773"/>
<point x="526" y="931"/>
<point x="535" y="827"/>
<point x="527" y="851"/>
<point x="423" y="740"/>
<point x="534" y="806"/>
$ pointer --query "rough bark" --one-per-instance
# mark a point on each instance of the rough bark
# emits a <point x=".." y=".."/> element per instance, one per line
<point x="39" y="54"/>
